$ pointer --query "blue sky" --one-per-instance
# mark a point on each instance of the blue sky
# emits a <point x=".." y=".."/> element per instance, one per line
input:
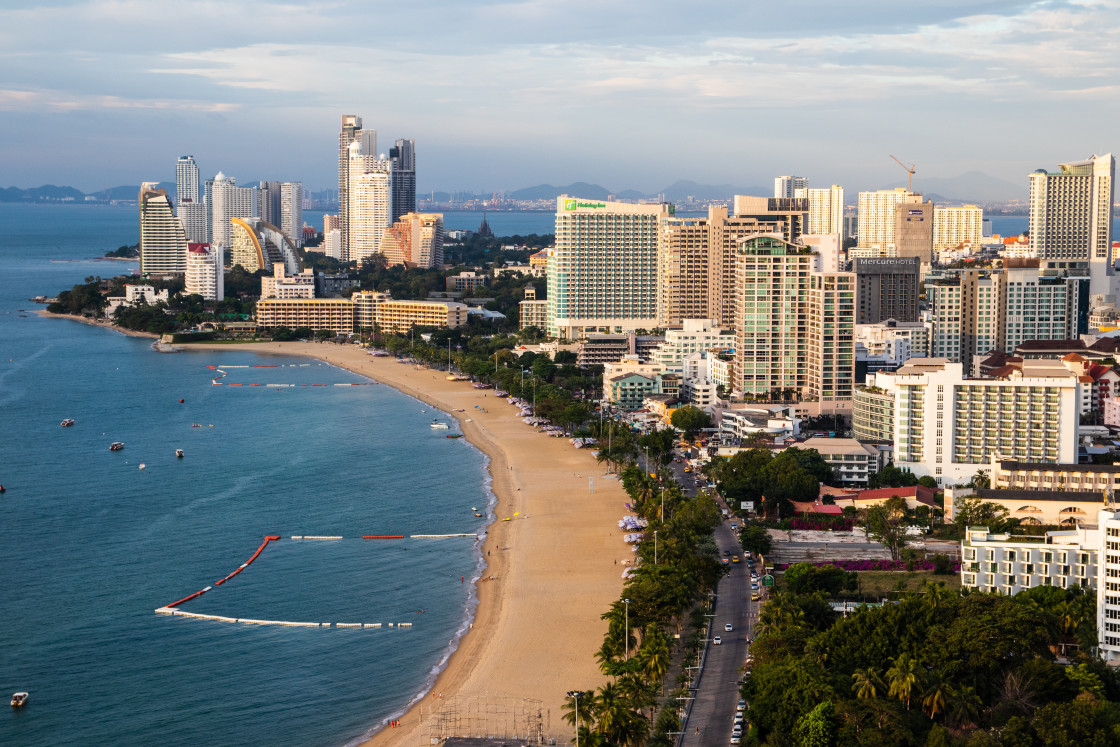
<point x="501" y="95"/>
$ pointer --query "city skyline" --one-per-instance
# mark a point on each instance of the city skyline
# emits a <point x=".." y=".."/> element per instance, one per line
<point x="512" y="96"/>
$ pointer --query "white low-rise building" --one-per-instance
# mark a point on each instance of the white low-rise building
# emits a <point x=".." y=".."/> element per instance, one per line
<point x="283" y="285"/>
<point x="891" y="343"/>
<point x="741" y="425"/>
<point x="852" y="462"/>
<point x="695" y="336"/>
<point x="1010" y="563"/>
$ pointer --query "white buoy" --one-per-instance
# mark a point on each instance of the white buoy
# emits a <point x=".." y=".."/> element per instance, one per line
<point x="143" y="466"/>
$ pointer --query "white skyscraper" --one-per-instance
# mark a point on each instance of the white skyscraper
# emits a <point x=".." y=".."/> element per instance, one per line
<point x="954" y="225"/>
<point x="1071" y="219"/>
<point x="369" y="202"/>
<point x="291" y="211"/>
<point x="877" y="215"/>
<point x="229" y="201"/>
<point x="205" y="275"/>
<point x="785" y="186"/>
<point x="826" y="209"/>
<point x="189" y="208"/>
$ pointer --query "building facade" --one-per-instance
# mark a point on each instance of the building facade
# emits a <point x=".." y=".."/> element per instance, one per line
<point x="887" y="288"/>
<point x="163" y="242"/>
<point x="953" y="226"/>
<point x="1006" y="564"/>
<point x="1071" y="219"/>
<point x="189" y="206"/>
<point x="603" y="275"/>
<point x="369" y="204"/>
<point x="205" y="275"/>
<point x="415" y="240"/>
<point x="403" y="170"/>
<point x="785" y="186"/>
<point x="826" y="209"/>
<point x="256" y="245"/>
<point x="334" y="314"/>
<point x="227" y="201"/>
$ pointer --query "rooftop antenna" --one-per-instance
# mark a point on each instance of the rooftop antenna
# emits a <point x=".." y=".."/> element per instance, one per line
<point x="909" y="174"/>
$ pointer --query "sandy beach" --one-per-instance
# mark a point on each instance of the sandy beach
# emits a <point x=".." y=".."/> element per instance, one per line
<point x="556" y="563"/>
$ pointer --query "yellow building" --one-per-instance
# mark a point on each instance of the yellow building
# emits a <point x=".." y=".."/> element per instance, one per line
<point x="257" y="245"/>
<point x="335" y="314"/>
<point x="399" y="316"/>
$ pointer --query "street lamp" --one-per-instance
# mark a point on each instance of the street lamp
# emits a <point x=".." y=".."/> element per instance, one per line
<point x="655" y="531"/>
<point x="626" y="630"/>
<point x="575" y="694"/>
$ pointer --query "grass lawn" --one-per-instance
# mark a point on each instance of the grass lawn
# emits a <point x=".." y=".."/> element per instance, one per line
<point x="881" y="582"/>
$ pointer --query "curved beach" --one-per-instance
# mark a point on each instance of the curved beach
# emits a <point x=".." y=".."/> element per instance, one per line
<point x="554" y="563"/>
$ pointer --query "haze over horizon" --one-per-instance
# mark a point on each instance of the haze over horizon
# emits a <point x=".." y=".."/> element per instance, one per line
<point x="501" y="96"/>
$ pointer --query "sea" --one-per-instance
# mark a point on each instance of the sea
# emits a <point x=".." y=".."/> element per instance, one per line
<point x="93" y="541"/>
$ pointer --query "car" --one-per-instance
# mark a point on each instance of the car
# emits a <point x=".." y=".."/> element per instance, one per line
<point x="727" y="628"/>
<point x="739" y="720"/>
<point x="735" y="559"/>
<point x="755" y="597"/>
<point x="734" y="527"/>
<point x="717" y="640"/>
<point x="736" y="739"/>
<point x="726" y="553"/>
<point x="741" y="705"/>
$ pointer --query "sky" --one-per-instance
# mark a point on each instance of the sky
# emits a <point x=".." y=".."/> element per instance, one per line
<point x="504" y="95"/>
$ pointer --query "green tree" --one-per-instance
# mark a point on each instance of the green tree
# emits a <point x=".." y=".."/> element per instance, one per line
<point x="887" y="529"/>
<point x="972" y="512"/>
<point x="817" y="728"/>
<point x="936" y="694"/>
<point x="806" y="578"/>
<point x="866" y="683"/>
<point x="892" y="477"/>
<point x="690" y="420"/>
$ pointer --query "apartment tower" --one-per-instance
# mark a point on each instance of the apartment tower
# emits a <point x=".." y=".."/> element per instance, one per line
<point x="189" y="206"/>
<point x="403" y="169"/>
<point x="786" y="186"/>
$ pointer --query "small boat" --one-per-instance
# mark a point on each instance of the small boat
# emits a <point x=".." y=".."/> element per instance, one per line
<point x="478" y="514"/>
<point x="18" y="700"/>
<point x="116" y="446"/>
<point x="179" y="453"/>
<point x="67" y="422"/>
<point x="454" y="435"/>
<point x="196" y="425"/>
<point x="440" y="426"/>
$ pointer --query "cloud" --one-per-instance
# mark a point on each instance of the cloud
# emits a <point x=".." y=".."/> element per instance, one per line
<point x="59" y="101"/>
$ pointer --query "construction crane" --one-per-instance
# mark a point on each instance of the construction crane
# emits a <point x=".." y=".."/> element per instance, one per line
<point x="909" y="173"/>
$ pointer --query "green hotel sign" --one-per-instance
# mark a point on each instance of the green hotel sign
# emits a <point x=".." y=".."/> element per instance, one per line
<point x="573" y="204"/>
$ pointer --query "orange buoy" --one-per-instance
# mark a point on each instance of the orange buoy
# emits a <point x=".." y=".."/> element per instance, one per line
<point x="181" y="400"/>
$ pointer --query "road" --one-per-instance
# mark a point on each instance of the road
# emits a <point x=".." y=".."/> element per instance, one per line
<point x="713" y="711"/>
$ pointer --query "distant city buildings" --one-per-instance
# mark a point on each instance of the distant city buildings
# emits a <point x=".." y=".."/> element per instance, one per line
<point x="785" y="186"/>
<point x="227" y="201"/>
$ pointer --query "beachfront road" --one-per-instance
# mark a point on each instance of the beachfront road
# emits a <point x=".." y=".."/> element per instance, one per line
<point x="713" y="711"/>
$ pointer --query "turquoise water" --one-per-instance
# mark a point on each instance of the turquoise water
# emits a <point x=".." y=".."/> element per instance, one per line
<point x="90" y="544"/>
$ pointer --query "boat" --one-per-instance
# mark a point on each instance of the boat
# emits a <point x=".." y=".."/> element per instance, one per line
<point x="440" y="426"/>
<point x="18" y="699"/>
<point x="454" y="435"/>
<point x="116" y="446"/>
<point x="67" y="422"/>
<point x="179" y="453"/>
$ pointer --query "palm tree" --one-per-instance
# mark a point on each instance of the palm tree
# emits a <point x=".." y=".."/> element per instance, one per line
<point x="655" y="653"/>
<point x="936" y="696"/>
<point x="615" y="720"/>
<point x="866" y="683"/>
<point x="902" y="676"/>
<point x="965" y="707"/>
<point x="579" y="710"/>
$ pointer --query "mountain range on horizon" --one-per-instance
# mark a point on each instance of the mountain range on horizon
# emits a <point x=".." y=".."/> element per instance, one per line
<point x="973" y="186"/>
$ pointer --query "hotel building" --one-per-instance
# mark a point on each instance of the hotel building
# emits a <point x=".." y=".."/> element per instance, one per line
<point x="334" y="314"/>
<point x="369" y="204"/>
<point x="603" y="274"/>
<point x="402" y="157"/>
<point x="1009" y="564"/>
<point x="953" y="226"/>
<point x="887" y="288"/>
<point x="1071" y="219"/>
<point x="189" y="207"/>
<point x="415" y="240"/>
<point x="826" y="209"/>
<point x="227" y="201"/>
<point x="256" y="245"/>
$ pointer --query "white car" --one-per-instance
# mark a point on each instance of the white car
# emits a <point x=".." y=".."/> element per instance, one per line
<point x="736" y="739"/>
<point x="741" y="705"/>
<point x="717" y="640"/>
<point x="727" y="628"/>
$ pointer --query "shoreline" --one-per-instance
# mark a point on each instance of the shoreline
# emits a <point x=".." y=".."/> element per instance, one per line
<point x="550" y="548"/>
<point x="102" y="323"/>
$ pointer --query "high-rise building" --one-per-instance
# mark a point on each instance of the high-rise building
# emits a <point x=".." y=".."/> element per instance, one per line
<point x="228" y="201"/>
<point x="826" y="209"/>
<point x="887" y="288"/>
<point x="913" y="230"/>
<point x="208" y="201"/>
<point x="370" y="203"/>
<point x="953" y="226"/>
<point x="786" y="186"/>
<point x="684" y="290"/>
<point x="603" y="274"/>
<point x="877" y="216"/>
<point x="189" y="207"/>
<point x="351" y="132"/>
<point x="403" y="159"/>
<point x="415" y="240"/>
<point x="269" y="197"/>
<point x="1071" y="219"/>
<point x="978" y="311"/>
<point x="794" y="326"/>
<point x="205" y="274"/>
<point x="256" y="245"/>
<point x="163" y="243"/>
<point x="291" y="211"/>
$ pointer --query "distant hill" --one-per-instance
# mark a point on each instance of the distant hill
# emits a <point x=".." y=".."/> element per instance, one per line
<point x="549" y="192"/>
<point x="49" y="192"/>
<point x="682" y="190"/>
<point x="973" y="186"/>
<point x="39" y="194"/>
